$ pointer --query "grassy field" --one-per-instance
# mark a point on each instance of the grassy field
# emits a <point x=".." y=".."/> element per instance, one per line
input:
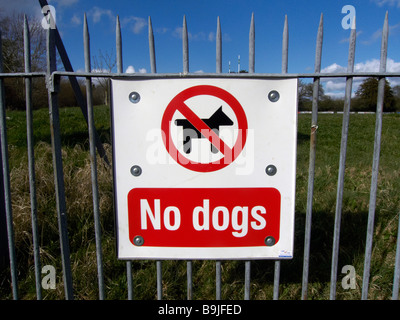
<point x="81" y="228"/>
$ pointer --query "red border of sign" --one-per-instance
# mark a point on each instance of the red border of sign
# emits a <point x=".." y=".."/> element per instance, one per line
<point x="178" y="104"/>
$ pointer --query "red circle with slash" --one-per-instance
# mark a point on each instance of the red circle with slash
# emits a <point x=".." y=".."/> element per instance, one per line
<point x="178" y="104"/>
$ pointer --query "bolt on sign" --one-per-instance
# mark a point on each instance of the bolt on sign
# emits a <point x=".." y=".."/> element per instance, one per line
<point x="204" y="168"/>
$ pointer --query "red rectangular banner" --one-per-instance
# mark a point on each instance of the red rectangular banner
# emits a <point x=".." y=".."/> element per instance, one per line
<point x="204" y="217"/>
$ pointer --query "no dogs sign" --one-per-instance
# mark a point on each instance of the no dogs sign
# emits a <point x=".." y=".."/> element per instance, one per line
<point x="204" y="168"/>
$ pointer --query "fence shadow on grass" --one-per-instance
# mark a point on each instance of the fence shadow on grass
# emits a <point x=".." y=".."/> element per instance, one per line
<point x="352" y="244"/>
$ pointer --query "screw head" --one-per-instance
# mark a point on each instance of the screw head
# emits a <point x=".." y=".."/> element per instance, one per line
<point x="138" y="241"/>
<point x="269" y="241"/>
<point x="134" y="97"/>
<point x="271" y="170"/>
<point x="136" y="171"/>
<point x="273" y="96"/>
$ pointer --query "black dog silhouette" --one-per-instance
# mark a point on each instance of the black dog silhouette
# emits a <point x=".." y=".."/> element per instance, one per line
<point x="219" y="118"/>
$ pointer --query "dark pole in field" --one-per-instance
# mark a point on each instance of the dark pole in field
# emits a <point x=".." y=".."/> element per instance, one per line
<point x="74" y="84"/>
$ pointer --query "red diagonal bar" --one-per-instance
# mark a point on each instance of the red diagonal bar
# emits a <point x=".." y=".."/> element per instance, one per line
<point x="204" y="129"/>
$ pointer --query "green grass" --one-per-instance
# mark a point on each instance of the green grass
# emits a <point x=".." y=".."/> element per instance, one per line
<point x="81" y="229"/>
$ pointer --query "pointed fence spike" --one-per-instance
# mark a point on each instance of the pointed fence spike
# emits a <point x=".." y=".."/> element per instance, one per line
<point x="185" y="46"/>
<point x="86" y="44"/>
<point x="252" y="45"/>
<point x="218" y="40"/>
<point x="384" y="44"/>
<point x="152" y="47"/>
<point x="318" y="50"/>
<point x="118" y="40"/>
<point x="285" y="46"/>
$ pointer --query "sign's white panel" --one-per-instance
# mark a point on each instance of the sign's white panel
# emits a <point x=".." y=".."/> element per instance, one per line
<point x="204" y="168"/>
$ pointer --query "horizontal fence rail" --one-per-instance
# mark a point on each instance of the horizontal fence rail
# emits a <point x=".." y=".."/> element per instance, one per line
<point x="52" y="79"/>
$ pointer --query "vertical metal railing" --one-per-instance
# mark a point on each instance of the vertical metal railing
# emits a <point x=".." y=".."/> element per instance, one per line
<point x="252" y="47"/>
<point x="6" y="182"/>
<point x="218" y="67"/>
<point x="31" y="158"/>
<point x="118" y="44"/>
<point x="375" y="160"/>
<point x="153" y="67"/>
<point x="52" y="87"/>
<point x="342" y="163"/>
<point x="93" y="161"/>
<point x="396" y="276"/>
<point x="311" y="170"/>
<point x="285" y="55"/>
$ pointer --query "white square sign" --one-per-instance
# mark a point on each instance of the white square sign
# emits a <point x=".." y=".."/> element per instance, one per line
<point x="204" y="168"/>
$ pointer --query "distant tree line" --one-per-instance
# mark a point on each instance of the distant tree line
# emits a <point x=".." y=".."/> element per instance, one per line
<point x="13" y="61"/>
<point x="365" y="97"/>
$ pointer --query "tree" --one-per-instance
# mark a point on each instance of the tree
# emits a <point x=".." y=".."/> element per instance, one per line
<point x="396" y="93"/>
<point x="13" y="59"/>
<point x="103" y="63"/>
<point x="305" y="95"/>
<point x="367" y="94"/>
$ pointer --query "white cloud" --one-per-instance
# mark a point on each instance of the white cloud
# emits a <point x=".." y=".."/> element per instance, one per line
<point x="199" y="36"/>
<point x="391" y="3"/>
<point x="76" y="20"/>
<point x="162" y="30"/>
<point x="211" y="36"/>
<point x="8" y="8"/>
<point x="131" y="69"/>
<point x="335" y="87"/>
<point x="377" y="35"/>
<point x="333" y="68"/>
<point x="136" y="24"/>
<point x="332" y="85"/>
<point x="97" y="13"/>
<point x="358" y="33"/>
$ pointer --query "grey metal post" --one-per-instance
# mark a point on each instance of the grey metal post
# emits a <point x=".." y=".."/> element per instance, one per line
<point x="57" y="164"/>
<point x="342" y="164"/>
<point x="285" y="54"/>
<point x="118" y="44"/>
<point x="375" y="161"/>
<point x="93" y="160"/>
<point x="31" y="159"/>
<point x="153" y="66"/>
<point x="247" y="272"/>
<point x="159" y="280"/>
<point x="252" y="44"/>
<point x="311" y="170"/>
<point x="185" y="47"/>
<point x="218" y="70"/>
<point x="152" y="50"/>
<point x="396" y="276"/>
<point x="189" y="272"/>
<point x="185" y="55"/>
<point x="218" y="48"/>
<point x="6" y="182"/>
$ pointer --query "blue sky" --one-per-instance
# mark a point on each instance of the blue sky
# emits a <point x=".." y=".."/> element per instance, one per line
<point x="235" y="16"/>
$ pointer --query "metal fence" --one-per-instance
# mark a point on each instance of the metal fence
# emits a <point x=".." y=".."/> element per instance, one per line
<point x="52" y="77"/>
